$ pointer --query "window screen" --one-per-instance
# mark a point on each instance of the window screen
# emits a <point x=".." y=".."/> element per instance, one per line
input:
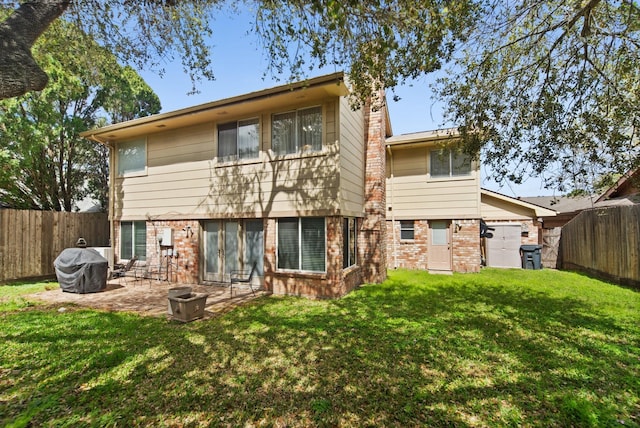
<point x="132" y="157"/>
<point x="302" y="244"/>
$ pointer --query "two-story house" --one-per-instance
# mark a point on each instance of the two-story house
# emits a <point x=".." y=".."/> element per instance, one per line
<point x="289" y="178"/>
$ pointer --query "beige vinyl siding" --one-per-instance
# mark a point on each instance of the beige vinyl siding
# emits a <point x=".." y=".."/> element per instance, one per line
<point x="351" y="159"/>
<point x="185" y="180"/>
<point x="493" y="209"/>
<point x="414" y="195"/>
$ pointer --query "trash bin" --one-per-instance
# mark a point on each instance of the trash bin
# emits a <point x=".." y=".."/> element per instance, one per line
<point x="175" y="292"/>
<point x="531" y="256"/>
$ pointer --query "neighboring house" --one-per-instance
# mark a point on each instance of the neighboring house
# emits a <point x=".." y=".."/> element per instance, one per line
<point x="623" y="192"/>
<point x="566" y="207"/>
<point x="435" y="207"/>
<point x="626" y="191"/>
<point x="289" y="178"/>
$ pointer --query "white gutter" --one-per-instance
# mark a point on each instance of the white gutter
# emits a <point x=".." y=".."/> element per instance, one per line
<point x="393" y="217"/>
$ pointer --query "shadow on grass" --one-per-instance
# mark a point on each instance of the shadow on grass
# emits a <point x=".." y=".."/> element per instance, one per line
<point x="416" y="350"/>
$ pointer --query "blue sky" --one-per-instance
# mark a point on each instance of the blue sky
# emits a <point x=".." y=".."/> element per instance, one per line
<point x="239" y="66"/>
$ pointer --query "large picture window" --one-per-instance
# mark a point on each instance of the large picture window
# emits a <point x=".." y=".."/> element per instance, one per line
<point x="297" y="131"/>
<point x="132" y="157"/>
<point x="449" y="163"/>
<point x="301" y="244"/>
<point x="133" y="240"/>
<point x="349" y="242"/>
<point x="239" y="140"/>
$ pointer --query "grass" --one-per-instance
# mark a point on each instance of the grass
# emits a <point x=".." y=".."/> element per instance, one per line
<point x="499" y="348"/>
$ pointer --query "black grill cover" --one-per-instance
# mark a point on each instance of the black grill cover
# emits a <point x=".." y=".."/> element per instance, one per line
<point x="81" y="270"/>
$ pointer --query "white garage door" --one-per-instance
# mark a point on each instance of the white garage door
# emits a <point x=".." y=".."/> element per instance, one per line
<point x="503" y="250"/>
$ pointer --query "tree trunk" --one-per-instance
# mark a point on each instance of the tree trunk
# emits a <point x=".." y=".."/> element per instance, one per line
<point x="19" y="72"/>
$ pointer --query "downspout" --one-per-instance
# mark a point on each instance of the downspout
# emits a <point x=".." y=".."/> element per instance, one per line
<point x="111" y="190"/>
<point x="393" y="216"/>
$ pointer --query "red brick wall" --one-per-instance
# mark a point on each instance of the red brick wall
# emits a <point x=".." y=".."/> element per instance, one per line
<point x="409" y="254"/>
<point x="372" y="237"/>
<point x="186" y="249"/>
<point x="334" y="283"/>
<point x="466" y="245"/>
<point x="414" y="254"/>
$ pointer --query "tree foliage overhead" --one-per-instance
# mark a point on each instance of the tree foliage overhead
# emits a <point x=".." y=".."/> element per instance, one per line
<point x="379" y="43"/>
<point x="44" y="164"/>
<point x="542" y="87"/>
<point x="550" y="88"/>
<point x="144" y="33"/>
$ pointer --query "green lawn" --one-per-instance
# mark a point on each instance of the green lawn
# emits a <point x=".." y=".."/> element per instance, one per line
<point x="499" y="348"/>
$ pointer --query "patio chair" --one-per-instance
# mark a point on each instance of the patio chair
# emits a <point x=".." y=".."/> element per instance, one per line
<point x="121" y="270"/>
<point x="132" y="271"/>
<point x="243" y="277"/>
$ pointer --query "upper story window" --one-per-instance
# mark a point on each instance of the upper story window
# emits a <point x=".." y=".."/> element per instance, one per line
<point x="297" y="131"/>
<point x="132" y="157"/>
<point x="239" y="140"/>
<point x="449" y="163"/>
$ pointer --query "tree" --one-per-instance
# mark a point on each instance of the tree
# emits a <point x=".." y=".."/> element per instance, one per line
<point x="550" y="88"/>
<point x="138" y="32"/>
<point x="378" y="43"/>
<point x="44" y="164"/>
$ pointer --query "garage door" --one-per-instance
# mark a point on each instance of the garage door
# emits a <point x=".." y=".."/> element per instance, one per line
<point x="503" y="249"/>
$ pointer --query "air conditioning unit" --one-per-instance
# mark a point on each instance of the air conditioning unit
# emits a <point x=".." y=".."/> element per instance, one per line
<point x="107" y="253"/>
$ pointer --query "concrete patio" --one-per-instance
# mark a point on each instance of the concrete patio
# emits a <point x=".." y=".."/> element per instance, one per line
<point x="149" y="298"/>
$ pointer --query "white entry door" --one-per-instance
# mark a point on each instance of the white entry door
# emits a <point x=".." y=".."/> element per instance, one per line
<point x="440" y="245"/>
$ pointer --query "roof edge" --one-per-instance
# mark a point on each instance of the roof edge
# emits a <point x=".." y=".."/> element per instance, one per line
<point x="538" y="209"/>
<point x="316" y="81"/>
<point x="423" y="136"/>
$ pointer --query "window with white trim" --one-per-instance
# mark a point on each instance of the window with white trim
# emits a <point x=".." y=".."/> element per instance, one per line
<point x="302" y="244"/>
<point x="132" y="157"/>
<point x="239" y="139"/>
<point x="407" y="229"/>
<point x="297" y="131"/>
<point x="449" y="163"/>
<point x="133" y="240"/>
<point x="349" y="242"/>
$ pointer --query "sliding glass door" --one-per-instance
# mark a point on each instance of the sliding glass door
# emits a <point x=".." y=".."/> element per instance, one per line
<point x="231" y="245"/>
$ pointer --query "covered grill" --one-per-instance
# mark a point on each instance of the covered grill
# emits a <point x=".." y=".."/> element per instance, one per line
<point x="81" y="270"/>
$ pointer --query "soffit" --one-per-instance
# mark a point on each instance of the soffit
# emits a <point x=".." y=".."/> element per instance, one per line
<point x="282" y="97"/>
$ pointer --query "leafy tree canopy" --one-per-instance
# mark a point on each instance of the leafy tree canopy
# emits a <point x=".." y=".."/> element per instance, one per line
<point x="542" y="87"/>
<point x="550" y="88"/>
<point x="381" y="43"/>
<point x="44" y="164"/>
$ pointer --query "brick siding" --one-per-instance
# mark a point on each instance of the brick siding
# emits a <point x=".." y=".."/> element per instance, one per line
<point x="414" y="254"/>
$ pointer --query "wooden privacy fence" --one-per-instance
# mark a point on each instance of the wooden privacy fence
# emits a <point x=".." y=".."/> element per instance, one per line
<point x="604" y="242"/>
<point x="31" y="240"/>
